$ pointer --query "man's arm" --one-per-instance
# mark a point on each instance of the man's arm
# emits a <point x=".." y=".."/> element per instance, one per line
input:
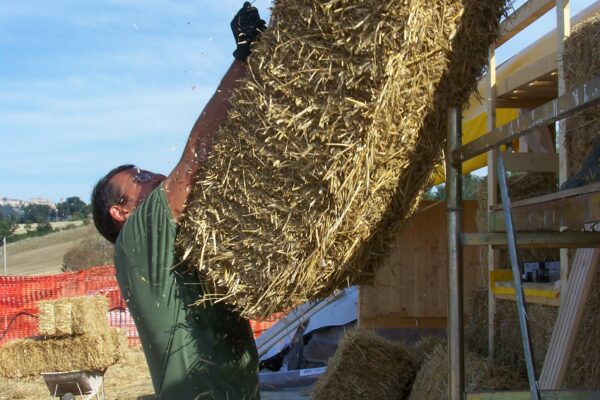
<point x="179" y="182"/>
<point x="246" y="27"/>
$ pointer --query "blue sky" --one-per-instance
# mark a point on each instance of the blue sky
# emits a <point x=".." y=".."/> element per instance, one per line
<point x="88" y="85"/>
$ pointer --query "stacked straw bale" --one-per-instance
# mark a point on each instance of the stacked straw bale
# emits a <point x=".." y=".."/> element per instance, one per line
<point x="366" y="366"/>
<point x="73" y="315"/>
<point x="582" y="63"/>
<point x="75" y="336"/>
<point x="431" y="382"/>
<point x="331" y="141"/>
<point x="31" y="356"/>
<point x="508" y="345"/>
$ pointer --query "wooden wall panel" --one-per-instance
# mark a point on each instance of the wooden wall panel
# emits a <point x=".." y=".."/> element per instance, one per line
<point x="410" y="288"/>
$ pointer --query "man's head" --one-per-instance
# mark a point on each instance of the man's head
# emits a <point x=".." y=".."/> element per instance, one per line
<point x="118" y="194"/>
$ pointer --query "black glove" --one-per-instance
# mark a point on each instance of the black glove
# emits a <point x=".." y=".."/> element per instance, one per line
<point x="246" y="27"/>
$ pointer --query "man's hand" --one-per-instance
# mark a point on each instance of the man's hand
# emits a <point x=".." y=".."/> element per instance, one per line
<point x="246" y="27"/>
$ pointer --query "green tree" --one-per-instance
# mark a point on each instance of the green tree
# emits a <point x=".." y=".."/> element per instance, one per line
<point x="470" y="186"/>
<point x="73" y="207"/>
<point x="36" y="213"/>
<point x="6" y="227"/>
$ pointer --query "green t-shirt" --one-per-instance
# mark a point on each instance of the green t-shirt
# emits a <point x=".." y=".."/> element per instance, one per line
<point x="193" y="351"/>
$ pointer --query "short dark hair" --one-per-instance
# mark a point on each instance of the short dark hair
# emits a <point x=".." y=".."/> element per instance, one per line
<point x="104" y="196"/>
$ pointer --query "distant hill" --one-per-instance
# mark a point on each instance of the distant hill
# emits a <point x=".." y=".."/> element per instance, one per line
<point x="44" y="255"/>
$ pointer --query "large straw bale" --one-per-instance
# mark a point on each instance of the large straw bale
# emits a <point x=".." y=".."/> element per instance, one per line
<point x="331" y="141"/>
<point x="366" y="366"/>
<point x="582" y="63"/>
<point x="73" y="315"/>
<point x="31" y="356"/>
<point x="431" y="382"/>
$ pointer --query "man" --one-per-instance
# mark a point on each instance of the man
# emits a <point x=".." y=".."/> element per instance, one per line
<point x="193" y="351"/>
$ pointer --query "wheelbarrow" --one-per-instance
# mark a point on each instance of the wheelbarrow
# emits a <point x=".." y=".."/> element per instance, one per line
<point x="67" y="385"/>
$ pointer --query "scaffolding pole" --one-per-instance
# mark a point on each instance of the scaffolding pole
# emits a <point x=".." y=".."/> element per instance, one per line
<point x="456" y="368"/>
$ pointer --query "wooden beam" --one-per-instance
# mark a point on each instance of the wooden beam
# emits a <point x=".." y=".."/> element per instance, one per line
<point x="397" y="320"/>
<point x="566" y="239"/>
<point x="578" y="99"/>
<point x="522" y="17"/>
<point x="568" y="208"/>
<point x="526" y="395"/>
<point x="531" y="162"/>
<point x="569" y="317"/>
<point x="563" y="30"/>
<point x="493" y="255"/>
<point x="528" y="74"/>
<point x="518" y="102"/>
<point x="530" y="299"/>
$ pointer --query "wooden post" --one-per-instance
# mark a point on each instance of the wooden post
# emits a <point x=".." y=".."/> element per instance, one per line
<point x="492" y="195"/>
<point x="563" y="29"/>
<point x="573" y="297"/>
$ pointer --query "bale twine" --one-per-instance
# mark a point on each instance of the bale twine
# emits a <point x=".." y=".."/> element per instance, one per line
<point x="31" y="356"/>
<point x="73" y="315"/>
<point x="582" y="63"/>
<point x="366" y="366"/>
<point x="330" y="143"/>
<point x="431" y="382"/>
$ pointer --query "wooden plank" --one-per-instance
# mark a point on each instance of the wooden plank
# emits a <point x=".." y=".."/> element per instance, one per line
<point x="398" y="320"/>
<point x="566" y="239"/>
<point x="569" y="317"/>
<point x="576" y="100"/>
<point x="563" y="30"/>
<point x="547" y="198"/>
<point x="548" y="301"/>
<point x="541" y="69"/>
<point x="526" y="395"/>
<point x="411" y="283"/>
<point x="531" y="162"/>
<point x="522" y="17"/>
<point x="551" y="212"/>
<point x="493" y="255"/>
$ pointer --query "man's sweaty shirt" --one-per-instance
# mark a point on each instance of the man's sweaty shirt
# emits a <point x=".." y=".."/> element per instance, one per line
<point x="193" y="351"/>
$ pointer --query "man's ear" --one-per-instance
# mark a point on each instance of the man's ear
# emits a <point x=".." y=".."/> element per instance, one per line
<point x="118" y="213"/>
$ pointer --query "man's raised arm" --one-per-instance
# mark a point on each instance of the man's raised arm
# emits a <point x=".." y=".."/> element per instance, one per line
<point x="178" y="183"/>
<point x="246" y="27"/>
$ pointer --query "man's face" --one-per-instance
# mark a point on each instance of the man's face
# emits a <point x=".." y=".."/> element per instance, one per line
<point x="135" y="185"/>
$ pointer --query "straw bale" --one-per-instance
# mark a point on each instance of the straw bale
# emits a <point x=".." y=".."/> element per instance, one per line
<point x="431" y="382"/>
<point x="508" y="345"/>
<point x="423" y="348"/>
<point x="331" y="141"/>
<point x="366" y="366"/>
<point x="63" y="318"/>
<point x="31" y="356"/>
<point x="73" y="315"/>
<point x="46" y="324"/>
<point x="582" y="63"/>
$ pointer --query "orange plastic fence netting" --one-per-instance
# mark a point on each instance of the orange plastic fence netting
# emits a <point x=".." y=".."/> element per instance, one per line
<point x="19" y="297"/>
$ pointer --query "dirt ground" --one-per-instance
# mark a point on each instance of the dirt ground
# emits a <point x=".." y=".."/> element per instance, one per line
<point x="127" y="380"/>
<point x="43" y="255"/>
